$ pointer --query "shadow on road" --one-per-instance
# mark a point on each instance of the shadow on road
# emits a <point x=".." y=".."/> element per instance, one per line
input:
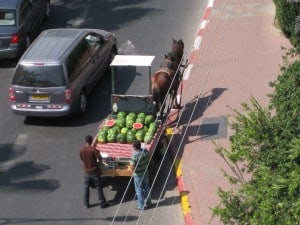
<point x="20" y="175"/>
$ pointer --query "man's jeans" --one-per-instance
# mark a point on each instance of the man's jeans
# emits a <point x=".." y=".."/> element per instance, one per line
<point x="142" y="190"/>
<point x="88" y="178"/>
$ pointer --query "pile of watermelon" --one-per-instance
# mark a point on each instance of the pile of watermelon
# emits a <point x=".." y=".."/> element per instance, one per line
<point x="127" y="127"/>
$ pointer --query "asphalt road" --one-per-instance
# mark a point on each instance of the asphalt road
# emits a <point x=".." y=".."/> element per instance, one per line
<point x="40" y="171"/>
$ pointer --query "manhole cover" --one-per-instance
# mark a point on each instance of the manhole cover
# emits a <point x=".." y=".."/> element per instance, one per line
<point x="213" y="128"/>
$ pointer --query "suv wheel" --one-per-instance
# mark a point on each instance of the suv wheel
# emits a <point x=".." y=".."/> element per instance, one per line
<point x="82" y="103"/>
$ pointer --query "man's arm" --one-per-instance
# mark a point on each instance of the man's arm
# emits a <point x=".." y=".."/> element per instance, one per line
<point x="132" y="164"/>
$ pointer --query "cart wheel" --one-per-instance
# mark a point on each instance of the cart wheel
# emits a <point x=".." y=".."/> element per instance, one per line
<point x="162" y="147"/>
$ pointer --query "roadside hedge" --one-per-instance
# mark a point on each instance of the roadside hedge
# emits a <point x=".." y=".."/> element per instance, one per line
<point x="286" y="13"/>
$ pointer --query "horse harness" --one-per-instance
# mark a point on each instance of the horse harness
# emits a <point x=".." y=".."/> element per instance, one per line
<point x="166" y="70"/>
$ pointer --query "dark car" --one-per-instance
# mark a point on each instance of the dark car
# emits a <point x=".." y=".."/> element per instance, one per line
<point x="20" y="23"/>
<point x="59" y="69"/>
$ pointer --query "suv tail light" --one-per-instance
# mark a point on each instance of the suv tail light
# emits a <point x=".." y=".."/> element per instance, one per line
<point x="14" y="39"/>
<point x="12" y="96"/>
<point x="68" y="96"/>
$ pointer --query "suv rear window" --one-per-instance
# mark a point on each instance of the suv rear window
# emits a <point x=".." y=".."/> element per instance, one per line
<point x="7" y="17"/>
<point x="39" y="76"/>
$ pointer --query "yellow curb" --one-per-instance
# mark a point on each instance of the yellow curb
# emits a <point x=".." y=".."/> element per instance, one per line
<point x="185" y="202"/>
<point x="178" y="169"/>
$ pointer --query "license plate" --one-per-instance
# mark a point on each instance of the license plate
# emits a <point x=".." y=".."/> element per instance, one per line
<point x="39" y="97"/>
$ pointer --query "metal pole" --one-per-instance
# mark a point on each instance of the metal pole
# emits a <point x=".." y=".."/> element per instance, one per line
<point x="150" y="85"/>
<point x="113" y="80"/>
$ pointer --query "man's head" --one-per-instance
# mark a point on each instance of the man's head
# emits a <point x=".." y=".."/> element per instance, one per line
<point x="89" y="139"/>
<point x="136" y="145"/>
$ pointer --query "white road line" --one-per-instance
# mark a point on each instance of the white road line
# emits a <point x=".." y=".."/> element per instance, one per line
<point x="187" y="72"/>
<point x="22" y="139"/>
<point x="197" y="42"/>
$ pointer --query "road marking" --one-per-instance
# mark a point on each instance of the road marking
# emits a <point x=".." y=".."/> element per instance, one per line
<point x="22" y="139"/>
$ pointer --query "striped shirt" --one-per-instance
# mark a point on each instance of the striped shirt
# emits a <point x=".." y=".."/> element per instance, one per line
<point x="139" y="160"/>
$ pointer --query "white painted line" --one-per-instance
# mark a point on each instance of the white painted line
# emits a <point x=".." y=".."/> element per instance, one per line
<point x="197" y="42"/>
<point x="203" y="24"/>
<point x="22" y="139"/>
<point x="187" y="73"/>
<point x="210" y="3"/>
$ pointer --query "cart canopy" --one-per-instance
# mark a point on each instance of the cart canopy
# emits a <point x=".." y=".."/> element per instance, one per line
<point x="132" y="60"/>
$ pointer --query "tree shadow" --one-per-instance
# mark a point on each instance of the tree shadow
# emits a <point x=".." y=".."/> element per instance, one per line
<point x="20" y="175"/>
<point x="113" y="14"/>
<point x="8" y="221"/>
<point x="192" y="111"/>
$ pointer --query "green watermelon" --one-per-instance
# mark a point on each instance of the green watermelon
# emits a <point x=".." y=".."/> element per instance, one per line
<point x="129" y="123"/>
<point x="117" y="129"/>
<point x="121" y="138"/>
<point x="140" y="135"/>
<point x="121" y="115"/>
<point x="111" y="137"/>
<point x="131" y="116"/>
<point x="130" y="137"/>
<point x="124" y="130"/>
<point x="101" y="137"/>
<point x="148" y="119"/>
<point x="147" y="138"/>
<point x="132" y="131"/>
<point x="141" y="115"/>
<point x="121" y="122"/>
<point x="145" y="128"/>
<point x="140" y="120"/>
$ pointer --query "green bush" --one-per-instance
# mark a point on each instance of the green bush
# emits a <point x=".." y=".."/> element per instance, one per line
<point x="286" y="13"/>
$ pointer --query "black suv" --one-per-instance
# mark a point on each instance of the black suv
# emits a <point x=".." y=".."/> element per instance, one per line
<point x="20" y="23"/>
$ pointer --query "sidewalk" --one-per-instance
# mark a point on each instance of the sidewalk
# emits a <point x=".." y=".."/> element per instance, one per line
<point x="239" y="54"/>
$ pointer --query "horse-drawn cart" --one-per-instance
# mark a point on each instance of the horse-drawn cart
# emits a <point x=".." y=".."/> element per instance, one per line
<point x="114" y="140"/>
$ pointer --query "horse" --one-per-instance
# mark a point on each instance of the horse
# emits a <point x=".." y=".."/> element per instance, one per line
<point x="177" y="50"/>
<point x="163" y="81"/>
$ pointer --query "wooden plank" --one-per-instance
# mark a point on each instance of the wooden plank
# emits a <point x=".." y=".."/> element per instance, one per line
<point x="123" y="170"/>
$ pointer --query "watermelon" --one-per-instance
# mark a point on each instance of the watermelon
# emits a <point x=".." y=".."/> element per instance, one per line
<point x="141" y="115"/>
<point x="147" y="138"/>
<point x="131" y="116"/>
<point x="109" y="123"/>
<point x="148" y="119"/>
<point x="101" y="137"/>
<point x="124" y="130"/>
<point x="131" y="131"/>
<point x="116" y="129"/>
<point x="140" y="135"/>
<point x="121" y="115"/>
<point x="137" y="125"/>
<point x="121" y="138"/>
<point x="140" y="120"/>
<point x="145" y="128"/>
<point x="129" y="123"/>
<point x="111" y="137"/>
<point x="121" y="122"/>
<point x="130" y="137"/>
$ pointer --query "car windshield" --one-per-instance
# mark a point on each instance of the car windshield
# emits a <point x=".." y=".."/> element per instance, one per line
<point x="39" y="76"/>
<point x="7" y="17"/>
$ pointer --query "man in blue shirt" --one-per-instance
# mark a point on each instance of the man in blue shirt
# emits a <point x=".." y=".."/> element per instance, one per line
<point x="139" y="164"/>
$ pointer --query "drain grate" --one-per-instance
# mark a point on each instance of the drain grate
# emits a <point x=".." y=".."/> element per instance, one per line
<point x="213" y="128"/>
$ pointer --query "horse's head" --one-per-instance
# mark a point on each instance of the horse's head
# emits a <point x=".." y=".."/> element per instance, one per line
<point x="177" y="45"/>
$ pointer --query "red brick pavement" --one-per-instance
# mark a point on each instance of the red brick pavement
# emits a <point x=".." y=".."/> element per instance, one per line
<point x="239" y="55"/>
